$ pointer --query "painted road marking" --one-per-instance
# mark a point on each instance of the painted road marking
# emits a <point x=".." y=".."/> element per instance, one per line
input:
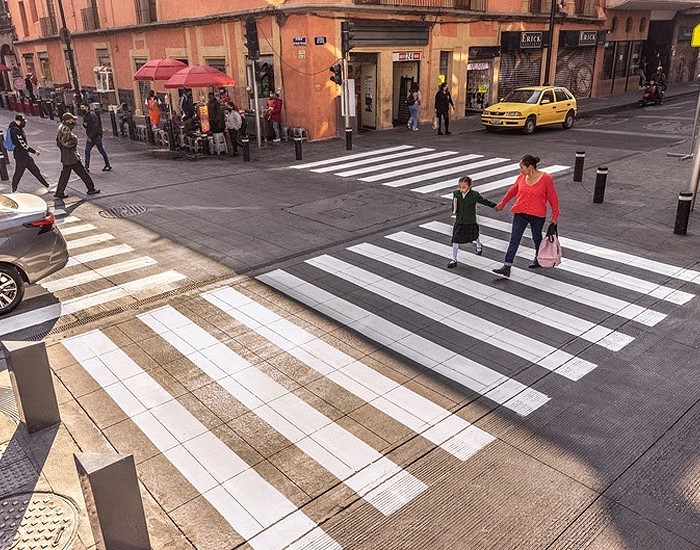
<point x="88" y="241"/>
<point x="565" y="322"/>
<point x="100" y="254"/>
<point x="98" y="273"/>
<point x="450" y="432"/>
<point x="77" y="229"/>
<point x="244" y="498"/>
<point x="404" y="162"/>
<point x="495" y="386"/>
<point x="475" y="177"/>
<point x="365" y="162"/>
<point x="351" y="157"/>
<point x="421" y="168"/>
<point x="375" y="478"/>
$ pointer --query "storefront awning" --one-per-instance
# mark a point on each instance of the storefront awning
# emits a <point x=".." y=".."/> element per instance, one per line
<point x="664" y="5"/>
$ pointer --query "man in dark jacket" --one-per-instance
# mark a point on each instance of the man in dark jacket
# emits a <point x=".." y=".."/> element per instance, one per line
<point x="216" y="114"/>
<point x="93" y="129"/>
<point x="22" y="152"/>
<point x="67" y="142"/>
<point x="443" y="101"/>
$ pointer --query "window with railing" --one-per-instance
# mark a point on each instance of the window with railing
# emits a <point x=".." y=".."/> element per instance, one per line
<point x="472" y="5"/>
<point x="91" y="19"/>
<point x="146" y="11"/>
<point x="48" y="26"/>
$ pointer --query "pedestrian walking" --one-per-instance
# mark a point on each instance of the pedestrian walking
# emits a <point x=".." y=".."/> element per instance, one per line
<point x="22" y="153"/>
<point x="274" y="115"/>
<point x="466" y="230"/>
<point x="443" y="102"/>
<point x="93" y="129"/>
<point x="233" y="126"/>
<point x="153" y="105"/>
<point x="413" y="101"/>
<point x="532" y="190"/>
<point x="67" y="142"/>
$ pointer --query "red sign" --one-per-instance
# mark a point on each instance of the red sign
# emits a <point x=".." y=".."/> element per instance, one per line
<point x="406" y="56"/>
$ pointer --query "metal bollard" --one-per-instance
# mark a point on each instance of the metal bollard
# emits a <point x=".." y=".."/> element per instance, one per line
<point x="113" y="120"/>
<point x="32" y="384"/>
<point x="685" y="199"/>
<point x="5" y="154"/>
<point x="348" y="139"/>
<point x="600" y="180"/>
<point x="110" y="487"/>
<point x="4" y="174"/>
<point x="40" y="102"/>
<point x="578" y="167"/>
<point x="246" y="148"/>
<point x="297" y="147"/>
<point x="4" y="159"/>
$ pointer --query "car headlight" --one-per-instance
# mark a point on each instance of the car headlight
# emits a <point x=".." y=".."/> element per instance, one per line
<point x="514" y="113"/>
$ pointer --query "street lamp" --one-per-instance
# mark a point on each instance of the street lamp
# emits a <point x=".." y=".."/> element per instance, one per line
<point x="65" y="36"/>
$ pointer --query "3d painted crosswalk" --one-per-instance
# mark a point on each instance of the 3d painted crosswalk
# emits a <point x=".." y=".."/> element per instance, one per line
<point x="127" y="277"/>
<point x="422" y="169"/>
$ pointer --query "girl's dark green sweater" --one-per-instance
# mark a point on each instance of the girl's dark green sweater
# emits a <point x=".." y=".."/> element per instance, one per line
<point x="464" y="207"/>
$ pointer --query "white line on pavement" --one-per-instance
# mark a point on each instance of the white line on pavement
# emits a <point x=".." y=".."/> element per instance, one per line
<point x="475" y="177"/>
<point x="100" y="254"/>
<point x="88" y="241"/>
<point x="404" y="162"/>
<point x="493" y="385"/>
<point x="450" y="432"/>
<point x="98" y="273"/>
<point x="351" y="157"/>
<point x="365" y="162"/>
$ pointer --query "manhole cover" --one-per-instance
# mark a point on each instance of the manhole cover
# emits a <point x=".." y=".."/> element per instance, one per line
<point x="37" y="520"/>
<point x="126" y="211"/>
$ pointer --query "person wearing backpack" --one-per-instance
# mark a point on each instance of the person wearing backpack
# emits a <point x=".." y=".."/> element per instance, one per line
<point x="413" y="101"/>
<point x="16" y="141"/>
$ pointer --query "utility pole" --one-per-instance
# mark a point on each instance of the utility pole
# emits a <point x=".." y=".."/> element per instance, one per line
<point x="65" y="36"/>
<point x="552" y="15"/>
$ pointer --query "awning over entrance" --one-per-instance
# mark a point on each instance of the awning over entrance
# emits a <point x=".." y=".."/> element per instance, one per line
<point x="664" y="5"/>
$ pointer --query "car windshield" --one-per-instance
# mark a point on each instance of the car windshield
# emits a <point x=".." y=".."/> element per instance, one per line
<point x="7" y="205"/>
<point x="522" y="96"/>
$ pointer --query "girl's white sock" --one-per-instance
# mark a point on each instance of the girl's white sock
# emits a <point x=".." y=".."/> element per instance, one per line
<point x="477" y="243"/>
<point x="455" y="250"/>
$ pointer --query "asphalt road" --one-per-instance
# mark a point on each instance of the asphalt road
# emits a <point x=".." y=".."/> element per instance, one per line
<point x="280" y="345"/>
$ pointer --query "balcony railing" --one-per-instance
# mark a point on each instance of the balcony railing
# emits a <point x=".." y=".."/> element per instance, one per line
<point x="48" y="26"/>
<point x="91" y="19"/>
<point x="580" y="7"/>
<point x="472" y="5"/>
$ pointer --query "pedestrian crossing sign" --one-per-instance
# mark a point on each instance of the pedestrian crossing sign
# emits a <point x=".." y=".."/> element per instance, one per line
<point x="695" y="39"/>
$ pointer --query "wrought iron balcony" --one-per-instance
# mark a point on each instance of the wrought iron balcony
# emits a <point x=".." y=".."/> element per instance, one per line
<point x="471" y="5"/>
<point x="570" y="7"/>
<point x="91" y="19"/>
<point x="48" y="26"/>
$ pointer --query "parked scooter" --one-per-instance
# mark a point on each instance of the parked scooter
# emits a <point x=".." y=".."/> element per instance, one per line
<point x="653" y="94"/>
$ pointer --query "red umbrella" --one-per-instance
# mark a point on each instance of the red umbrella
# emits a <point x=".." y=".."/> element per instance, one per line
<point x="159" y="69"/>
<point x="199" y="76"/>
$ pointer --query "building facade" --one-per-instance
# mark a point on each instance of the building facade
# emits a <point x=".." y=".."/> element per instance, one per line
<point x="481" y="48"/>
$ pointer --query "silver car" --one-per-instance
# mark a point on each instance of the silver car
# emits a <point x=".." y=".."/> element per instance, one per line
<point x="31" y="247"/>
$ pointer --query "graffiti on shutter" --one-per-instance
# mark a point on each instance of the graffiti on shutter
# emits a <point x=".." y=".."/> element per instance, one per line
<point x="575" y="70"/>
<point x="519" y="68"/>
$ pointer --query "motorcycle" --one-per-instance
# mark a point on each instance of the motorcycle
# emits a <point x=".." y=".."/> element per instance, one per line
<point x="653" y="94"/>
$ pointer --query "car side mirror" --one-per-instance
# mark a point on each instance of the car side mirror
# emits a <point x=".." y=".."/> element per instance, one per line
<point x="545" y="102"/>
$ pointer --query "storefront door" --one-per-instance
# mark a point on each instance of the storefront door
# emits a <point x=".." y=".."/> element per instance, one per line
<point x="405" y="74"/>
<point x="479" y="78"/>
<point x="363" y="68"/>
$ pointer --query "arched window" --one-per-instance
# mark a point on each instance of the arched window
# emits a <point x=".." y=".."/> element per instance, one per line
<point x="613" y="25"/>
<point x="628" y="24"/>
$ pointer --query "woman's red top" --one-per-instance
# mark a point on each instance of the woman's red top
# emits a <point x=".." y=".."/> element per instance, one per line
<point x="533" y="199"/>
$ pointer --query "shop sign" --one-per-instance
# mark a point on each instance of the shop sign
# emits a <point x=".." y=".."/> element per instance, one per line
<point x="587" y="38"/>
<point x="685" y="33"/>
<point x="299" y="41"/>
<point x="531" y="40"/>
<point x="695" y="40"/>
<point x="478" y="66"/>
<point x="320" y="40"/>
<point x="406" y="56"/>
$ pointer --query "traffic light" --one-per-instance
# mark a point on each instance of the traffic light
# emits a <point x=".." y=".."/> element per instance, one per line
<point x="346" y="35"/>
<point x="251" y="38"/>
<point x="337" y="71"/>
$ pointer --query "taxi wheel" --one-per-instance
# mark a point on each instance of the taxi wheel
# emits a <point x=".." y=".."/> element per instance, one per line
<point x="530" y="125"/>
<point x="490" y="129"/>
<point x="11" y="289"/>
<point x="568" y="121"/>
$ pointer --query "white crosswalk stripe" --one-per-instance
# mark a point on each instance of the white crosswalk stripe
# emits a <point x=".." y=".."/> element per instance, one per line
<point x="251" y="505"/>
<point x="375" y="478"/>
<point x="423" y="170"/>
<point x="73" y="229"/>
<point x="450" y="432"/>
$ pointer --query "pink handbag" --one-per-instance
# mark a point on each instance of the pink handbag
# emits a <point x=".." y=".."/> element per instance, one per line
<point x="549" y="253"/>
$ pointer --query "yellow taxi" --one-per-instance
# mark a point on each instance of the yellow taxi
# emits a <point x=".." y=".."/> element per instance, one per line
<point x="528" y="108"/>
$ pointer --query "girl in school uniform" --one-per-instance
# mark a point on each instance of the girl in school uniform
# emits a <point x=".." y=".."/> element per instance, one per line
<point x="466" y="230"/>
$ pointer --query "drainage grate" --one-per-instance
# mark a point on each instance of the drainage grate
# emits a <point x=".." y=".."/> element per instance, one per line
<point x="125" y="211"/>
<point x="37" y="520"/>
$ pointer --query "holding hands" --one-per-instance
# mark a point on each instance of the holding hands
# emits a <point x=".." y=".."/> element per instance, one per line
<point x="498" y="208"/>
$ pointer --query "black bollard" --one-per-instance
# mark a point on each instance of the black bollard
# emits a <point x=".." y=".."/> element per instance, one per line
<point x="113" y="120"/>
<point x="40" y="102"/>
<point x="3" y="151"/>
<point x="151" y="137"/>
<point x="246" y="148"/>
<point x="348" y="139"/>
<point x="297" y="147"/>
<point x="685" y="200"/>
<point x="600" y="180"/>
<point x="578" y="167"/>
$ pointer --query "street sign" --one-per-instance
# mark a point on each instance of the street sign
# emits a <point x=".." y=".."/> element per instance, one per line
<point x="299" y="41"/>
<point x="695" y="40"/>
<point x="320" y="40"/>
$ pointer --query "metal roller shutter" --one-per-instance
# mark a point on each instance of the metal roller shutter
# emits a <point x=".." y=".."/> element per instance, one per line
<point x="519" y="68"/>
<point x="575" y="70"/>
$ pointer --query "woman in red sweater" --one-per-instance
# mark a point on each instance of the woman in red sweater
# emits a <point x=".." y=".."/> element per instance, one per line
<point x="532" y="191"/>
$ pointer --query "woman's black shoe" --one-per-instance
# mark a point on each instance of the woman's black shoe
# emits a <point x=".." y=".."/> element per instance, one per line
<point x="452" y="265"/>
<point x="505" y="271"/>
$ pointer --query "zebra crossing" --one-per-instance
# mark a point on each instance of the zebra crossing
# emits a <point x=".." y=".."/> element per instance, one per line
<point x="423" y="170"/>
<point x="119" y="273"/>
<point x="464" y="325"/>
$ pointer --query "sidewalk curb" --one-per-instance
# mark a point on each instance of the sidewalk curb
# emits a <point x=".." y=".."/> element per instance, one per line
<point x="606" y="109"/>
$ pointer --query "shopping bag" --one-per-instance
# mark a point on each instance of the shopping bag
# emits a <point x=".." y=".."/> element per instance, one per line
<point x="436" y="122"/>
<point x="549" y="253"/>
